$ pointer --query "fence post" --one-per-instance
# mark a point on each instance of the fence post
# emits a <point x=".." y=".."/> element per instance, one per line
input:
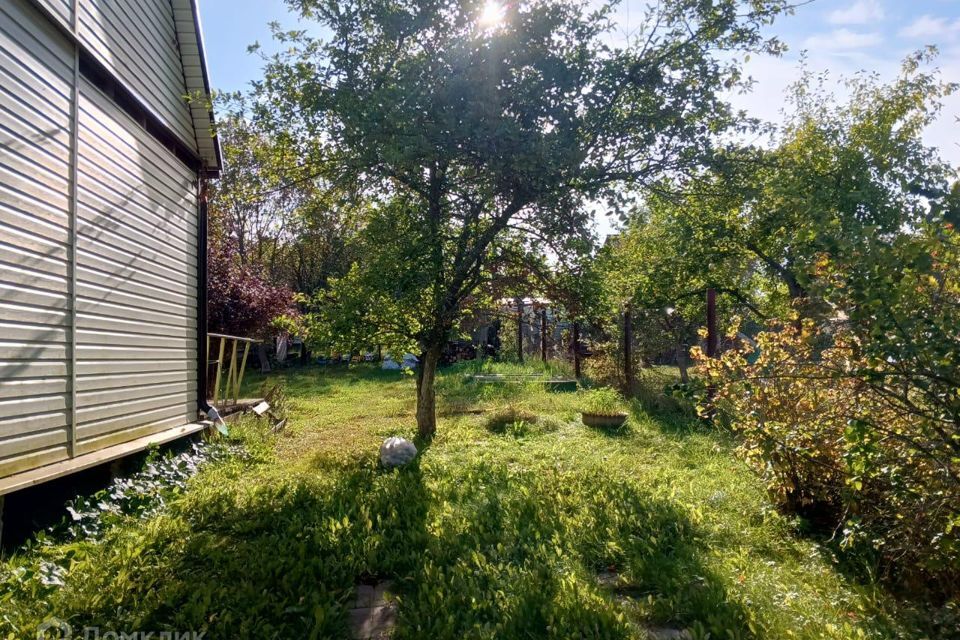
<point x="576" y="349"/>
<point x="628" y="347"/>
<point x="520" y="330"/>
<point x="543" y="333"/>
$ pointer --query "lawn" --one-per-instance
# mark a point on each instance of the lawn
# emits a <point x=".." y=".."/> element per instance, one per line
<point x="502" y="528"/>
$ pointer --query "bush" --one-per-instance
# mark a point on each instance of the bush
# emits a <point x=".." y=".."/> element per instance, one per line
<point x="241" y="301"/>
<point x="833" y="446"/>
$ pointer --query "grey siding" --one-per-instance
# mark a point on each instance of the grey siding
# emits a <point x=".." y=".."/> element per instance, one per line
<point x="131" y="231"/>
<point x="191" y="50"/>
<point x="36" y="75"/>
<point x="137" y="41"/>
<point x="61" y="10"/>
<point x="136" y="280"/>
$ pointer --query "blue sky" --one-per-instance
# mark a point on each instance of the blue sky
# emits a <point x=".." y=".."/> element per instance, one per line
<point x="842" y="36"/>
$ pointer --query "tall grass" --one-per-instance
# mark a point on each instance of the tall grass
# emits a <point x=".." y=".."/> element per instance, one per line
<point x="491" y="533"/>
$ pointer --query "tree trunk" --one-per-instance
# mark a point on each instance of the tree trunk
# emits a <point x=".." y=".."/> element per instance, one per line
<point x="426" y="393"/>
<point x="713" y="337"/>
<point x="682" y="363"/>
<point x="262" y="357"/>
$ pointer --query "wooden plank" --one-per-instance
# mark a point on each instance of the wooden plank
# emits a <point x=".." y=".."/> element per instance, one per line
<point x="243" y="367"/>
<point x="34" y="476"/>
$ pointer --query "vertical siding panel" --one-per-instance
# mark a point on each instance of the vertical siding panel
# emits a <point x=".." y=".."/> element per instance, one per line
<point x="137" y="221"/>
<point x="98" y="235"/>
<point x="35" y="79"/>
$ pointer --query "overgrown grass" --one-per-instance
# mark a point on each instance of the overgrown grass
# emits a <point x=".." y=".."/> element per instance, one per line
<point x="497" y="531"/>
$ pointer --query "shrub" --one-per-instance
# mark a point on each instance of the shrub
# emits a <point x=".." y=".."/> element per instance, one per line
<point x="241" y="301"/>
<point x="833" y="446"/>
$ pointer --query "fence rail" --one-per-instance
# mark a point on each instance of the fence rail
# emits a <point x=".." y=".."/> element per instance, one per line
<point x="234" y="374"/>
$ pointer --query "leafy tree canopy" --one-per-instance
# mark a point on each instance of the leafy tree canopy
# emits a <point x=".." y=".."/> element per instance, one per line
<point x="460" y="131"/>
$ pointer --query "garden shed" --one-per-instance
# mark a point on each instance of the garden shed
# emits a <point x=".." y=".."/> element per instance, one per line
<point x="105" y="145"/>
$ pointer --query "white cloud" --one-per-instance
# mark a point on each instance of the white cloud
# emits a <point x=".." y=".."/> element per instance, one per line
<point x="860" y="12"/>
<point x="927" y="26"/>
<point x="842" y="40"/>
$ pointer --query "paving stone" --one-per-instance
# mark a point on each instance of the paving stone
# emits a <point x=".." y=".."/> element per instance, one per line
<point x="609" y="579"/>
<point x="662" y="633"/>
<point x="375" y="613"/>
<point x="373" y="623"/>
<point x="365" y="596"/>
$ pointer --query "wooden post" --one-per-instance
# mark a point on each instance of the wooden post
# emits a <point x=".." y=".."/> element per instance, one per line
<point x="216" y="383"/>
<point x="231" y="373"/>
<point x="243" y="367"/>
<point x="713" y="340"/>
<point x="628" y="347"/>
<point x="520" y="330"/>
<point x="543" y="334"/>
<point x="712" y="348"/>
<point x="576" y="350"/>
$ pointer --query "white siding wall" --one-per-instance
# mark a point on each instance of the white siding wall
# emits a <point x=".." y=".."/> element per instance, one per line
<point x="136" y="254"/>
<point x="36" y="73"/>
<point x="137" y="41"/>
<point x="136" y="280"/>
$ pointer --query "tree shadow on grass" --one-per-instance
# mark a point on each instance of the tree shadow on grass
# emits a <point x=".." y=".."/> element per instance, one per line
<point x="280" y="560"/>
<point x="523" y="563"/>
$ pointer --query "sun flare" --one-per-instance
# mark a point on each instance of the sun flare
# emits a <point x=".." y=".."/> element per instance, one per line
<point x="493" y="14"/>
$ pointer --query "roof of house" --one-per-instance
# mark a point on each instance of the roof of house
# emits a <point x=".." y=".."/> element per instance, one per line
<point x="186" y="14"/>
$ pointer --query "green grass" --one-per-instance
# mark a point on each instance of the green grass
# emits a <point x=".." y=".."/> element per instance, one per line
<point x="499" y="530"/>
